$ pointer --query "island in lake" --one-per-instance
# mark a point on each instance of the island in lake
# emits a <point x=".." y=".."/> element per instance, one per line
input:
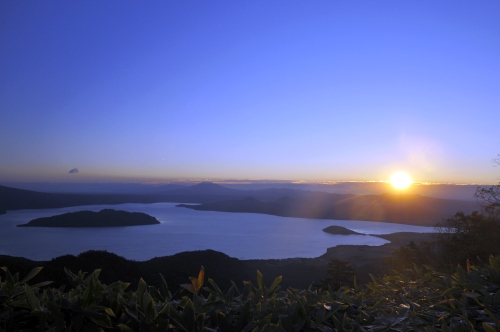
<point x="339" y="230"/>
<point x="104" y="218"/>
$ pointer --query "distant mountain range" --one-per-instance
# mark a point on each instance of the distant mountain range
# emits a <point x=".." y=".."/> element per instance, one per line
<point x="400" y="208"/>
<point x="446" y="191"/>
<point x="16" y="199"/>
<point x="407" y="209"/>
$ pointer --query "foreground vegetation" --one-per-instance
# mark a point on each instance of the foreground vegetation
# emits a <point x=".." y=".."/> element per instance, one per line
<point x="472" y="237"/>
<point x="417" y="299"/>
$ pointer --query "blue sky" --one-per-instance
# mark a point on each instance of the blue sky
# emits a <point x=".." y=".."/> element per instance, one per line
<point x="297" y="90"/>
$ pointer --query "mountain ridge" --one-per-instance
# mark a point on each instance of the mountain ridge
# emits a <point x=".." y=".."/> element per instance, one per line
<point x="411" y="209"/>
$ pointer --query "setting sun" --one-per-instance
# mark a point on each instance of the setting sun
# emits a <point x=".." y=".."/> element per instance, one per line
<point x="401" y="180"/>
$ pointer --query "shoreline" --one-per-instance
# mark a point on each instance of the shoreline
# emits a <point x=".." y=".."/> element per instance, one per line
<point x="297" y="272"/>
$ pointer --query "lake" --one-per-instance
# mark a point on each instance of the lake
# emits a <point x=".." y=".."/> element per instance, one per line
<point x="240" y="235"/>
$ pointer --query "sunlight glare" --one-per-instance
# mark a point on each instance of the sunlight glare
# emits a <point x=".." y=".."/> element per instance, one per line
<point x="401" y="180"/>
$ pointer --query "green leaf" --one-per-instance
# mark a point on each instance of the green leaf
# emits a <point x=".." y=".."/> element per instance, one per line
<point x="164" y="311"/>
<point x="110" y="312"/>
<point x="102" y="320"/>
<point x="41" y="284"/>
<point x="215" y="287"/>
<point x="31" y="274"/>
<point x="472" y="294"/>
<point x="156" y="294"/>
<point x="461" y="275"/>
<point x="492" y="316"/>
<point x="474" y="286"/>
<point x="188" y="315"/>
<point x="488" y="328"/>
<point x="200" y="322"/>
<point x="244" y="316"/>
<point x="141" y="289"/>
<point x="260" y="279"/>
<point x="452" y="290"/>
<point x="33" y="301"/>
<point x="222" y="323"/>
<point x="89" y="293"/>
<point x="124" y="328"/>
<point x="230" y="295"/>
<point x="274" y="286"/>
<point x="9" y="280"/>
<point x="164" y="288"/>
<point x="146" y="299"/>
<point x="148" y="305"/>
<point x="175" y="317"/>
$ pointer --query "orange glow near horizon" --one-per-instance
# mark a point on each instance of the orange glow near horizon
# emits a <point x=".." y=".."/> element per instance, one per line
<point x="401" y="180"/>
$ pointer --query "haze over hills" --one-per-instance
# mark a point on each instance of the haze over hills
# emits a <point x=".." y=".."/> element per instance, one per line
<point x="398" y="208"/>
<point x="447" y="191"/>
<point x="15" y="199"/>
<point x="205" y="189"/>
<point x="407" y="209"/>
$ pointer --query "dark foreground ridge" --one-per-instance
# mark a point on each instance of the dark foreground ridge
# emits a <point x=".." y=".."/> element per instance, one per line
<point x="339" y="230"/>
<point x="104" y="218"/>
<point x="418" y="299"/>
<point x="296" y="272"/>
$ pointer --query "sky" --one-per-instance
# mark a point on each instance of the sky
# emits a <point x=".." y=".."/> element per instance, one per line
<point x="283" y="90"/>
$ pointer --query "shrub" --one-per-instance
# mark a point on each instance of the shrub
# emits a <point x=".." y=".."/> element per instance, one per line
<point x="417" y="299"/>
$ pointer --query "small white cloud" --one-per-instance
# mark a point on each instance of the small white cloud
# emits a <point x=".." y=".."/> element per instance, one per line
<point x="74" y="170"/>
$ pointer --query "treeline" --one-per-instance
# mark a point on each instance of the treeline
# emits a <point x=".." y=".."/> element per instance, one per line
<point x="176" y="268"/>
<point x="463" y="238"/>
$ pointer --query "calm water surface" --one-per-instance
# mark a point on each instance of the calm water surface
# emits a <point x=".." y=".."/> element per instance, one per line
<point x="240" y="235"/>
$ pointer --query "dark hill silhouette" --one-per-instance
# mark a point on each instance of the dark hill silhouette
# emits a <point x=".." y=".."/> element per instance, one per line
<point x="296" y="272"/>
<point x="15" y="199"/>
<point x="103" y="218"/>
<point x="275" y="193"/>
<point x="176" y="268"/>
<point x="407" y="209"/>
<point x="209" y="191"/>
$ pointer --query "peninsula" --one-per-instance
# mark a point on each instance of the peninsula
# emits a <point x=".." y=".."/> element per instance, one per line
<point x="104" y="218"/>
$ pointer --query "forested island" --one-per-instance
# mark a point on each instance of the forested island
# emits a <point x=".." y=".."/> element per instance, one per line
<point x="103" y="218"/>
<point x="3" y="212"/>
<point x="339" y="230"/>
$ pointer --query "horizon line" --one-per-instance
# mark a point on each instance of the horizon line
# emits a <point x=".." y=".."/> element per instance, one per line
<point x="245" y="181"/>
